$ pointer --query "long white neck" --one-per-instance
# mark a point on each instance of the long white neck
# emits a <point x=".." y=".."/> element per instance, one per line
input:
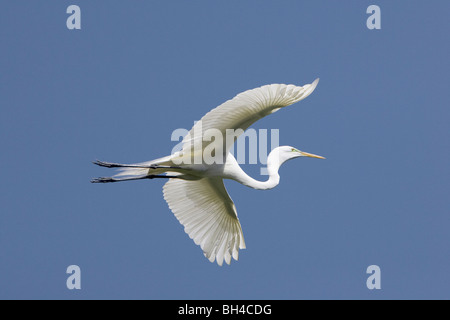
<point x="235" y="172"/>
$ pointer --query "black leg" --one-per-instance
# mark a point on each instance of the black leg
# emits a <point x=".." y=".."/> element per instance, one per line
<point x="109" y="179"/>
<point x="119" y="165"/>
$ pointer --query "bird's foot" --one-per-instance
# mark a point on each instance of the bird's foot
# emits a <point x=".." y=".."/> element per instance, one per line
<point x="103" y="180"/>
<point x="107" y="164"/>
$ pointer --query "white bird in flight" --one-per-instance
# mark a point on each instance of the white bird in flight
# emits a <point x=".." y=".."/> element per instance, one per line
<point x="195" y="191"/>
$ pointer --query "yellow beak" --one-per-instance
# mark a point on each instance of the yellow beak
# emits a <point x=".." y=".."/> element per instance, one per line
<point x="306" y="154"/>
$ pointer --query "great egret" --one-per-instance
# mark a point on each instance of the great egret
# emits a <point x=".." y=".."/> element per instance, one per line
<point x="195" y="191"/>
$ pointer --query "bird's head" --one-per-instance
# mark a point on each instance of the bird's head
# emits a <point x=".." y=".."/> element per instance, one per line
<point x="280" y="155"/>
<point x="286" y="153"/>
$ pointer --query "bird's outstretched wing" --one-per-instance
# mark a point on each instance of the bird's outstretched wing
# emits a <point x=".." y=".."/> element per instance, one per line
<point x="242" y="111"/>
<point x="208" y="215"/>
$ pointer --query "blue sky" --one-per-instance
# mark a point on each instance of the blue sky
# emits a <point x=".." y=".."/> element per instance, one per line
<point x="116" y="89"/>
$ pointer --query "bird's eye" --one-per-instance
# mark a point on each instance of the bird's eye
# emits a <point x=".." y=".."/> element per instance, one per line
<point x="293" y="150"/>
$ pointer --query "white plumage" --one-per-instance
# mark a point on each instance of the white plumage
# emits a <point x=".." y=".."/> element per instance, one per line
<point x="208" y="215"/>
<point x="195" y="191"/>
<point x="245" y="109"/>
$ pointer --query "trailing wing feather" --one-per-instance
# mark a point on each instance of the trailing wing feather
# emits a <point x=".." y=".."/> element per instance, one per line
<point x="242" y="111"/>
<point x="208" y="215"/>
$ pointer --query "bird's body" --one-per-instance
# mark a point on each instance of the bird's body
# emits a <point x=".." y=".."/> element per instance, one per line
<point x="195" y="191"/>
